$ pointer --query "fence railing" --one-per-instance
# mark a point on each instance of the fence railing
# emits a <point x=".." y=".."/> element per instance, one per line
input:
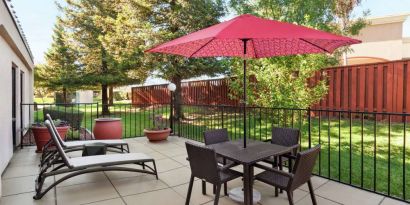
<point x="358" y="148"/>
<point x="81" y="117"/>
<point x="368" y="150"/>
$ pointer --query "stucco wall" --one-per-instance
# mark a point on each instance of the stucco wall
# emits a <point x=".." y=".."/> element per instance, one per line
<point x="381" y="32"/>
<point x="12" y="52"/>
<point x="390" y="50"/>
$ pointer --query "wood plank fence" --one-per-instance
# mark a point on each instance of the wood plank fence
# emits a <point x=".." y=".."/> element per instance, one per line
<point x="378" y="87"/>
<point x="203" y="92"/>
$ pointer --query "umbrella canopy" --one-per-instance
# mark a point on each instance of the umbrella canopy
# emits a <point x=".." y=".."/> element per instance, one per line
<point x="266" y="38"/>
<point x="249" y="36"/>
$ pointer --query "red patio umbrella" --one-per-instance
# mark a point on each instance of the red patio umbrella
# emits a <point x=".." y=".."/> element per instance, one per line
<point x="249" y="36"/>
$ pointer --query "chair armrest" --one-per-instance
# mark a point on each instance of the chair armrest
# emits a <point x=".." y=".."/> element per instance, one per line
<point x="286" y="174"/>
<point x="290" y="156"/>
<point x="227" y="166"/>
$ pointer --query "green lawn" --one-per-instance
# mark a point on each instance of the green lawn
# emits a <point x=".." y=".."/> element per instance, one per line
<point x="368" y="154"/>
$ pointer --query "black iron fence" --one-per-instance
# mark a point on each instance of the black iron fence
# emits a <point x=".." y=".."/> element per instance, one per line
<point x="81" y="117"/>
<point x="368" y="150"/>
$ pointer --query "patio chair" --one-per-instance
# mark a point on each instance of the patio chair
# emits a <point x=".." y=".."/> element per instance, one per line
<point x="288" y="137"/>
<point x="301" y="174"/>
<point x="112" y="145"/>
<point x="204" y="166"/>
<point x="60" y="163"/>
<point x="213" y="137"/>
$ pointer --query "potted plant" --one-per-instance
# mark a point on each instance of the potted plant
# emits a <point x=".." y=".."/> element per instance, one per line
<point x="159" y="131"/>
<point x="42" y="136"/>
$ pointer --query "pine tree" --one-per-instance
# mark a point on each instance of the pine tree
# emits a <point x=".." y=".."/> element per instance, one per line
<point x="60" y="72"/>
<point x="109" y="39"/>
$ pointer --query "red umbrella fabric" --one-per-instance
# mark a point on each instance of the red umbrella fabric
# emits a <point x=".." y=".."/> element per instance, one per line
<point x="266" y="38"/>
<point x="253" y="37"/>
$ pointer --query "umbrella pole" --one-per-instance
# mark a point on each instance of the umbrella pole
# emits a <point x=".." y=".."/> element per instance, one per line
<point x="244" y="91"/>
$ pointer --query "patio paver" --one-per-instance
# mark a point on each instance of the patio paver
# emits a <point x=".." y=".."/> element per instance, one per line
<point x="135" y="188"/>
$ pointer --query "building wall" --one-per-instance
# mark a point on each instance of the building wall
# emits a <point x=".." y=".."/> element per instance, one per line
<point x="382" y="40"/>
<point x="13" y="52"/>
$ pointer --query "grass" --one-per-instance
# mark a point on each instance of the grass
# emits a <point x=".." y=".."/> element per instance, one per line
<point x="356" y="154"/>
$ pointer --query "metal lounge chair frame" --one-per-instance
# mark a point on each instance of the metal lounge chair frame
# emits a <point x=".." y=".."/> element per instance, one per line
<point x="119" y="146"/>
<point x="60" y="163"/>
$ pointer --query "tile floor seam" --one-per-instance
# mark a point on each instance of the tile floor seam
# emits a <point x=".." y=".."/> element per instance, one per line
<point x="144" y="192"/>
<point x="382" y="200"/>
<point x="115" y="188"/>
<point x="55" y="191"/>
<point x="99" y="201"/>
<point x="20" y="193"/>
<point x="321" y="185"/>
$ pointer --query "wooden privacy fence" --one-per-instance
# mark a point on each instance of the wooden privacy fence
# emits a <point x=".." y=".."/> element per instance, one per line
<point x="203" y="92"/>
<point x="378" y="87"/>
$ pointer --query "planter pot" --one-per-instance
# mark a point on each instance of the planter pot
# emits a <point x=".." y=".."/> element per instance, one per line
<point x="108" y="128"/>
<point x="157" y="135"/>
<point x="42" y="136"/>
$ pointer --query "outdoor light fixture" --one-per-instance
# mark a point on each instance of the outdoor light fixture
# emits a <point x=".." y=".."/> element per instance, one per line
<point x="172" y="87"/>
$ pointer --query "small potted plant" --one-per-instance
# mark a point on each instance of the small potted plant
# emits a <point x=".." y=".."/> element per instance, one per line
<point x="42" y="136"/>
<point x="159" y="131"/>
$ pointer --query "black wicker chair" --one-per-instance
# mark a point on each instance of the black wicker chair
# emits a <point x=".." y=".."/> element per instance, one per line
<point x="301" y="174"/>
<point x="204" y="165"/>
<point x="288" y="137"/>
<point x="214" y="137"/>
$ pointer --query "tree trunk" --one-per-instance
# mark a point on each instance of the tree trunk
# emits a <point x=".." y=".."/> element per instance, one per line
<point x="65" y="95"/>
<point x="177" y="98"/>
<point x="111" y="96"/>
<point x="104" y="93"/>
<point x="104" y="86"/>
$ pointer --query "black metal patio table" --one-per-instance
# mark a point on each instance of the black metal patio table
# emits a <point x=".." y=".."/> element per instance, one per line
<point x="254" y="152"/>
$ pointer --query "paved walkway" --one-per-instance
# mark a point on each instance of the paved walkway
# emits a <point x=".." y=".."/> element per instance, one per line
<point x="112" y="188"/>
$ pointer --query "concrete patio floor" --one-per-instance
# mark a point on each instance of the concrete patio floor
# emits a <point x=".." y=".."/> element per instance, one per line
<point x="117" y="188"/>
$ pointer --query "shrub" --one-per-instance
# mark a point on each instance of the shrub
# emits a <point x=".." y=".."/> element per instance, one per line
<point x="72" y="115"/>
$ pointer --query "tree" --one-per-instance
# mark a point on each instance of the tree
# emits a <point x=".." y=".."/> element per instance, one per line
<point x="110" y="41"/>
<point x="60" y="72"/>
<point x="171" y="19"/>
<point x="282" y="81"/>
<point x="342" y="10"/>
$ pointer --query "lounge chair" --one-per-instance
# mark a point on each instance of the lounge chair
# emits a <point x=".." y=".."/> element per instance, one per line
<point x="60" y="163"/>
<point x="70" y="146"/>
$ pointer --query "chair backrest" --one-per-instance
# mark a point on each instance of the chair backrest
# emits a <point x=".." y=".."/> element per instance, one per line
<point x="202" y="161"/>
<point x="305" y="162"/>
<point x="216" y="136"/>
<point x="53" y="126"/>
<point x="285" y="136"/>
<point x="60" y="149"/>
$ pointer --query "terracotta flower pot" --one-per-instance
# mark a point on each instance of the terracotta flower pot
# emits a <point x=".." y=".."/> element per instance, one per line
<point x="108" y="128"/>
<point x="157" y="135"/>
<point x="42" y="136"/>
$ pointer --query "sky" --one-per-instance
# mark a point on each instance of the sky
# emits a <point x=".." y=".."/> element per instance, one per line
<point x="37" y="19"/>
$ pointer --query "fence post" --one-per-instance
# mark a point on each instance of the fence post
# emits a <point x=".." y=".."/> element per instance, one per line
<point x="98" y="113"/>
<point x="222" y="116"/>
<point x="309" y="128"/>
